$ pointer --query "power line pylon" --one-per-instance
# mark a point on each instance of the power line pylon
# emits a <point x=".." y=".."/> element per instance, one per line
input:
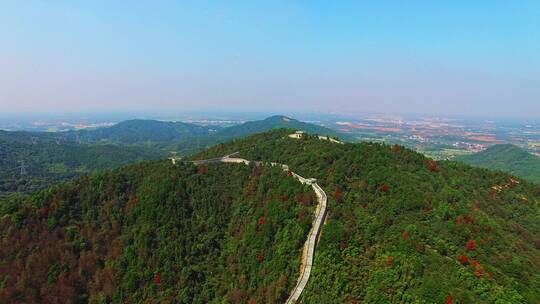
<point x="23" y="168"/>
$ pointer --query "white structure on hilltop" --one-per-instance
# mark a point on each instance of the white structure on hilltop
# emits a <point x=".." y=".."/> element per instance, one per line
<point x="330" y="139"/>
<point x="174" y="157"/>
<point x="300" y="134"/>
<point x="297" y="134"/>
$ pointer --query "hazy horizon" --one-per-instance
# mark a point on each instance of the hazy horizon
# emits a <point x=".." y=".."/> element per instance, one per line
<point x="119" y="116"/>
<point x="459" y="59"/>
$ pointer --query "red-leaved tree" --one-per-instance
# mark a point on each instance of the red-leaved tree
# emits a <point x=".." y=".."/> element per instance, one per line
<point x="432" y="166"/>
<point x="44" y="211"/>
<point x="202" y="169"/>
<point x="405" y="235"/>
<point x="471" y="245"/>
<point x="338" y="194"/>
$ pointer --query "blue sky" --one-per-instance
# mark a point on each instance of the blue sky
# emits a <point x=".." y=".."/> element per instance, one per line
<point x="456" y="57"/>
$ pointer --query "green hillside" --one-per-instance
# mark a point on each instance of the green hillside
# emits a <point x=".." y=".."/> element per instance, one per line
<point x="157" y="233"/>
<point x="508" y="158"/>
<point x="47" y="161"/>
<point x="270" y="123"/>
<point x="139" y="131"/>
<point x="54" y="157"/>
<point x="404" y="229"/>
<point x="400" y="228"/>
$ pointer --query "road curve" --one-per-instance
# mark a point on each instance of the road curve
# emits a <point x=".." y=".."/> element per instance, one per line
<point x="308" y="252"/>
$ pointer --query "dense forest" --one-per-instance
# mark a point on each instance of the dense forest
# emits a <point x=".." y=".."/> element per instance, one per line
<point x="157" y="233"/>
<point x="508" y="158"/>
<point x="275" y="122"/>
<point x="51" y="157"/>
<point x="138" y="131"/>
<point x="402" y="228"/>
<point x="28" y="164"/>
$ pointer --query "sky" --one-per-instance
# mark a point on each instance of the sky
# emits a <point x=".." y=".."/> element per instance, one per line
<point x="441" y="57"/>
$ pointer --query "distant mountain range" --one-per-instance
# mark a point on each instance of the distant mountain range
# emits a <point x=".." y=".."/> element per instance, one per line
<point x="274" y="122"/>
<point x="506" y="157"/>
<point x="144" y="131"/>
<point x="139" y="131"/>
<point x="50" y="157"/>
<point x="54" y="156"/>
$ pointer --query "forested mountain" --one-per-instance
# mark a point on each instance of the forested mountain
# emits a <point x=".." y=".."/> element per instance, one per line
<point x="54" y="157"/>
<point x="140" y="131"/>
<point x="144" y="131"/>
<point x="50" y="157"/>
<point x="402" y="228"/>
<point x="47" y="161"/>
<point x="157" y="233"/>
<point x="508" y="158"/>
<point x="273" y="122"/>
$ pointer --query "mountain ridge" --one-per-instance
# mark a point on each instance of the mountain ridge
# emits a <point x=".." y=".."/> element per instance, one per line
<point x="274" y="122"/>
<point x="418" y="229"/>
<point x="52" y="157"/>
<point x="141" y="130"/>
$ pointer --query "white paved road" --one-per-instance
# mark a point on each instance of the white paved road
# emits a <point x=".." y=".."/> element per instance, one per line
<point x="308" y="252"/>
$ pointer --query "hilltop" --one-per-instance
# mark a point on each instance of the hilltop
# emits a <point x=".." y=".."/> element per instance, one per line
<point x="139" y="131"/>
<point x="404" y="228"/>
<point x="506" y="157"/>
<point x="273" y="122"/>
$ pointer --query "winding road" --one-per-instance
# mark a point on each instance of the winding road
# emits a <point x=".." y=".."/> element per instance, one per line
<point x="308" y="252"/>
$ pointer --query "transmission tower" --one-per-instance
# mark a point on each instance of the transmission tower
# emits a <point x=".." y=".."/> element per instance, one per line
<point x="23" y="168"/>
